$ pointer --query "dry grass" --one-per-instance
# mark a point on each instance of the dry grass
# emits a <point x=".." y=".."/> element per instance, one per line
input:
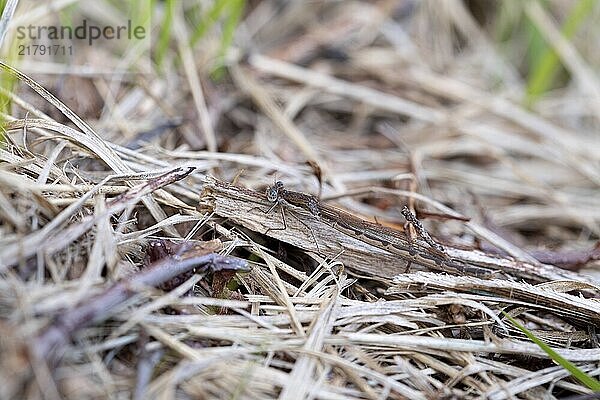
<point x="371" y="105"/>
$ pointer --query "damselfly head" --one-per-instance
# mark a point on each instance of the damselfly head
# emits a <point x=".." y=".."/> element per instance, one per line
<point x="272" y="193"/>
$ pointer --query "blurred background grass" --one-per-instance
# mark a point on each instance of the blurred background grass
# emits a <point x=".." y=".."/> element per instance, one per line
<point x="506" y="22"/>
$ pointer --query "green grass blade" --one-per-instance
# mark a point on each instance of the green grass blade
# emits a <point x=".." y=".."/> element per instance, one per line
<point x="547" y="65"/>
<point x="209" y="20"/>
<point x="236" y="9"/>
<point x="578" y="374"/>
<point x="165" y="33"/>
<point x="7" y="82"/>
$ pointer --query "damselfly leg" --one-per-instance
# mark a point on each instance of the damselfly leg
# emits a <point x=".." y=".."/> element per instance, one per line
<point x="274" y="196"/>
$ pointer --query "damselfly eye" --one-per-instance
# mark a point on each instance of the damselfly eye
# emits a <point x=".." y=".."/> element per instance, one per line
<point x="279" y="185"/>
<point x="271" y="194"/>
